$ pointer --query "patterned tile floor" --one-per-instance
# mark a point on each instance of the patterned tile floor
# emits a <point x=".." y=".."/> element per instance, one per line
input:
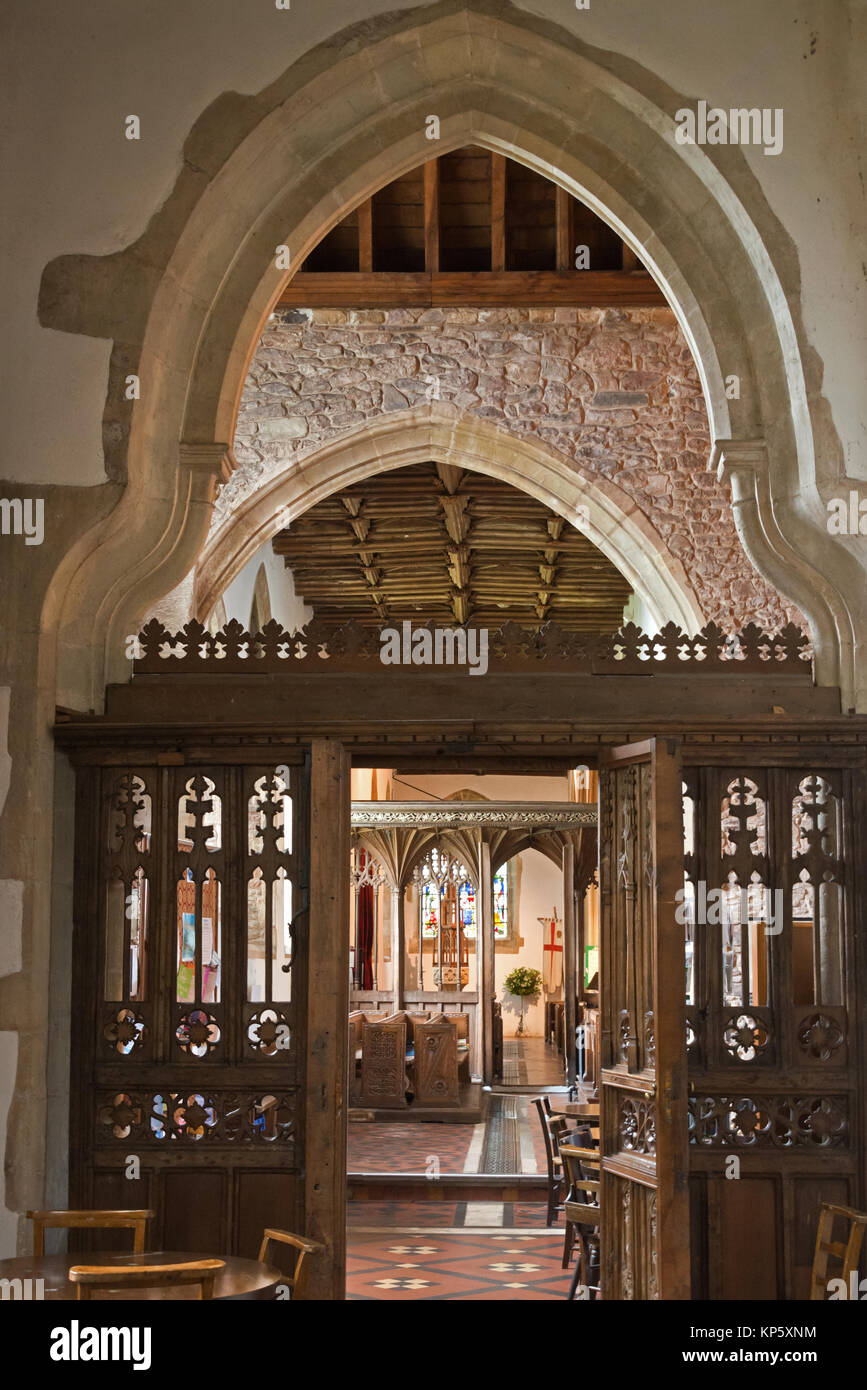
<point x="471" y="1264"/>
<point x="408" y="1148"/>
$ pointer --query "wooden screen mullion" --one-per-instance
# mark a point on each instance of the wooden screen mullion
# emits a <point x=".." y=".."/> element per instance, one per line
<point x="165" y="849"/>
<point x="713" y="866"/>
<point x="782" y="785"/>
<point x="233" y="930"/>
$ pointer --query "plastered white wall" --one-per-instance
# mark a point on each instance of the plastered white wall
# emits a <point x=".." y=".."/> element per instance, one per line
<point x="286" y="607"/>
<point x="540" y="894"/>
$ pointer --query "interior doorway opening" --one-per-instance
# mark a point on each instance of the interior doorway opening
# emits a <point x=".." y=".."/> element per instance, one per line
<point x="462" y="896"/>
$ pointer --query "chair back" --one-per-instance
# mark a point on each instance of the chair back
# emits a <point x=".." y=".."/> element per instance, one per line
<point x="581" y="1138"/>
<point x="90" y="1279"/>
<point x="558" y="1128"/>
<point x="89" y="1220"/>
<point x="541" y="1104"/>
<point x="581" y="1170"/>
<point x="846" y="1253"/>
<point x="297" y="1281"/>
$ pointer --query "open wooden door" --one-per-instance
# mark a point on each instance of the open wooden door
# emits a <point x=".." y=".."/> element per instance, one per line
<point x="643" y="1091"/>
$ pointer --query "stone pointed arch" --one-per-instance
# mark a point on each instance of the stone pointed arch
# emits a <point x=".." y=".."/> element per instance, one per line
<point x="442" y="433"/>
<point x="187" y="301"/>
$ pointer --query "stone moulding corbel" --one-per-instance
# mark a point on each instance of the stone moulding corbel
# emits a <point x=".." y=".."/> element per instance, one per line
<point x="744" y="465"/>
<point x="211" y="458"/>
<point x="202" y="466"/>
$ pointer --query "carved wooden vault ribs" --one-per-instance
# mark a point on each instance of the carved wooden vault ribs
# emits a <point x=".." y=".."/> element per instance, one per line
<point x="324" y="647"/>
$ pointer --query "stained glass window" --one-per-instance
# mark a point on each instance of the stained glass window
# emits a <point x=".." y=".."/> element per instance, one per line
<point x="501" y="906"/>
<point x="467" y="909"/>
<point x="429" y="909"/>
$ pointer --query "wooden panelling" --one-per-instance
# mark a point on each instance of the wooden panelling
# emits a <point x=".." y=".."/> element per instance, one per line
<point x="399" y="224"/>
<point x="743" y="1238"/>
<point x="531" y="239"/>
<point x="194" y="1210"/>
<point x="266" y="1199"/>
<point x="465" y="210"/>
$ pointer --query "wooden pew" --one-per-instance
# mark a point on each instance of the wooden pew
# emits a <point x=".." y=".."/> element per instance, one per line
<point x="435" y="1067"/>
<point x="461" y="1024"/>
<point x="384" y="1082"/>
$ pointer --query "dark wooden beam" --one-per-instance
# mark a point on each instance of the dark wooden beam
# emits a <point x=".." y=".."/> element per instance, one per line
<point x="630" y="261"/>
<point x="432" y="216"/>
<point x="537" y="288"/>
<point x="498" y="212"/>
<point x="365" y="236"/>
<point x="564" y="231"/>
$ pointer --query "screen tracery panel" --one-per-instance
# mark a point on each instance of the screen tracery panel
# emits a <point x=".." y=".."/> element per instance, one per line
<point x="185" y="1041"/>
<point x="769" y="913"/>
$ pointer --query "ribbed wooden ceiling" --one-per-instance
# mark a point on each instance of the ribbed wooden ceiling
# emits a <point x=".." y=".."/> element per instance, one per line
<point x="435" y="542"/>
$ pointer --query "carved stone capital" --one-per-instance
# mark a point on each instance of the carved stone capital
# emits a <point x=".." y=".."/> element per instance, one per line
<point x="213" y="458"/>
<point x="733" y="458"/>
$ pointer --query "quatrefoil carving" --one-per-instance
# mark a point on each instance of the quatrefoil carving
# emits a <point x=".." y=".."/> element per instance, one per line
<point x="746" y="1037"/>
<point x="820" y="1036"/>
<point x="197" y="1032"/>
<point x="125" y="1031"/>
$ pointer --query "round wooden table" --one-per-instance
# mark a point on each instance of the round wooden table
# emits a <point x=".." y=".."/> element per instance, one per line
<point x="241" y="1279"/>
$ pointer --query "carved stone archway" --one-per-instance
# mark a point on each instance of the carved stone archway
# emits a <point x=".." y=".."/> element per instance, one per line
<point x="205" y="276"/>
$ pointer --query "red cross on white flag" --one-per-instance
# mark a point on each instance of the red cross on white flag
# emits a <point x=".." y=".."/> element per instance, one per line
<point x="552" y="953"/>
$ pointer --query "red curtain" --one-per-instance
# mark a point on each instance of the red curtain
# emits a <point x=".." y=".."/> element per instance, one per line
<point x="364" y="959"/>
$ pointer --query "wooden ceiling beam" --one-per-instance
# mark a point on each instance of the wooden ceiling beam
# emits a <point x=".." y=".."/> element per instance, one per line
<point x="472" y="289"/>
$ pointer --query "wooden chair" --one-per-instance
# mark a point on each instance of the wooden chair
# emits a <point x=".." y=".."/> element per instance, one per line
<point x="558" y="1128"/>
<point x="582" y="1210"/>
<point x="89" y="1279"/>
<point x="89" y="1220"/>
<point x="298" y="1280"/>
<point x="826" y="1248"/>
<point x="555" y="1167"/>
<point x="584" y="1112"/>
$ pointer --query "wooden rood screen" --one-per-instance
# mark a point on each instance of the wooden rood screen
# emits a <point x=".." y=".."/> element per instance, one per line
<point x="774" y="965"/>
<point x="728" y="1120"/>
<point x="189" y="998"/>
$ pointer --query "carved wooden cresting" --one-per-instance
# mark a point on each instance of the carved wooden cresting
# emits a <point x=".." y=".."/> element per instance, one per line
<point x="326" y="647"/>
<point x="189" y="925"/>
